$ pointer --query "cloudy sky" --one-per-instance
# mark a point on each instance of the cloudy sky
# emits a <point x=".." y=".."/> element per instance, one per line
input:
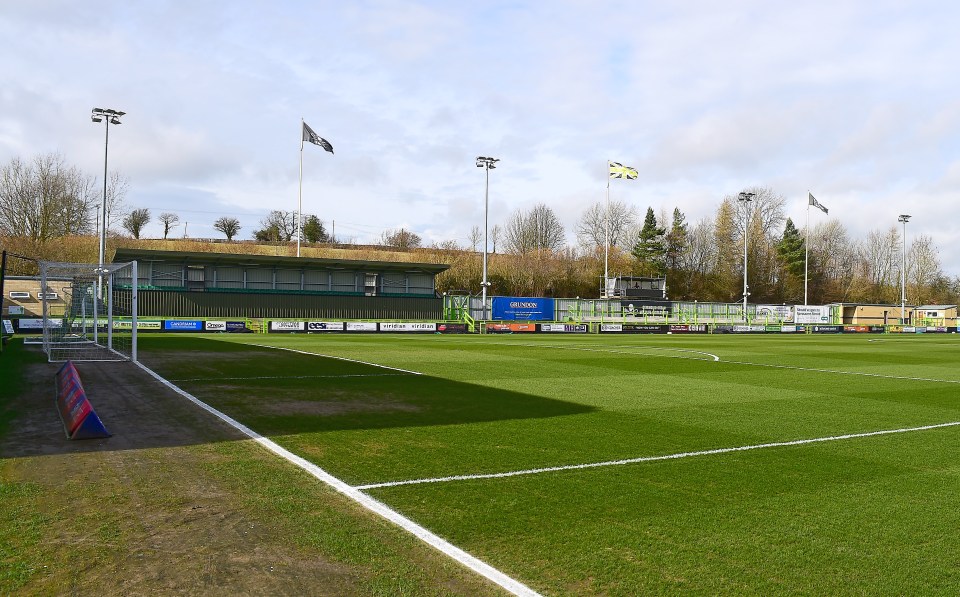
<point x="857" y="101"/>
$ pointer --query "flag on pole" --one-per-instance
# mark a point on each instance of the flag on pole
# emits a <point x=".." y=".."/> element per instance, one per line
<point x="815" y="203"/>
<point x="618" y="170"/>
<point x="312" y="137"/>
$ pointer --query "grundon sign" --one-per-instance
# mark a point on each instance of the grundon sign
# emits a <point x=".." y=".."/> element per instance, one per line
<point x="512" y="308"/>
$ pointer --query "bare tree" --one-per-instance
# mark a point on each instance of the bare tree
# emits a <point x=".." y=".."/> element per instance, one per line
<point x="401" y="239"/>
<point x="923" y="268"/>
<point x="136" y="220"/>
<point x="592" y="228"/>
<point x="117" y="187"/>
<point x="880" y="254"/>
<point x="277" y="226"/>
<point x="476" y="237"/>
<point x="169" y="220"/>
<point x="537" y="230"/>
<point x="45" y="198"/>
<point x="228" y="226"/>
<point x="496" y="233"/>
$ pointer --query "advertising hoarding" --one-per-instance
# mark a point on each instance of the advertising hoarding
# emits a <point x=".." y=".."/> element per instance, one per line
<point x="811" y="314"/>
<point x="408" y="327"/>
<point x="513" y="308"/>
<point x="287" y="326"/>
<point x="325" y="326"/>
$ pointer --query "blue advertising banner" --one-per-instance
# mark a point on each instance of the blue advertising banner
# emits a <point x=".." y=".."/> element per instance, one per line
<point x="513" y="308"/>
<point x="183" y="325"/>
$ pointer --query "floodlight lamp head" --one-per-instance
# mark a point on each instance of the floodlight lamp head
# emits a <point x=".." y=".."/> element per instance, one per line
<point x="744" y="196"/>
<point x="904" y="218"/>
<point x="96" y="118"/>
<point x="114" y="120"/>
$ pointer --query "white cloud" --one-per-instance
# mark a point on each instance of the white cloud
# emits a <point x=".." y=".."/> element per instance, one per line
<point x="855" y="100"/>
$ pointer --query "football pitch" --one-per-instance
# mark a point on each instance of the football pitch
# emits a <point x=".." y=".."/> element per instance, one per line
<point x="625" y="464"/>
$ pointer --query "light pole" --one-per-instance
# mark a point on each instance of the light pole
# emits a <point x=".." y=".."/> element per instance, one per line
<point x="487" y="164"/>
<point x="904" y="218"/>
<point x="746" y="198"/>
<point x="108" y="117"/>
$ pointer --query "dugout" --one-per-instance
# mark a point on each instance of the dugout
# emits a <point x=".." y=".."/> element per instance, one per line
<point x="199" y="284"/>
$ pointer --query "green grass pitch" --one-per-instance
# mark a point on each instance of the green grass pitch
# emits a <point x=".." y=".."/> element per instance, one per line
<point x="875" y="514"/>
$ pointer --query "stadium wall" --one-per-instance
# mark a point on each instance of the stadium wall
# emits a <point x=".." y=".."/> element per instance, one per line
<point x="186" y="304"/>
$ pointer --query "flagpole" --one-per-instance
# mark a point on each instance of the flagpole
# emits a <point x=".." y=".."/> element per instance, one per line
<point x="300" y="190"/>
<point x="806" y="251"/>
<point x="606" y="238"/>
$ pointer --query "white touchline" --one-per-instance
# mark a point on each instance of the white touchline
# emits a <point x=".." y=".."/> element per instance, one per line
<point x="447" y="548"/>
<point x="330" y="356"/>
<point x="289" y="377"/>
<point x="572" y="467"/>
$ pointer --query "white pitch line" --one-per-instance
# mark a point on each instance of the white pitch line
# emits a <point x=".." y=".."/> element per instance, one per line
<point x="839" y="372"/>
<point x="581" y="348"/>
<point x="572" y="467"/>
<point x="330" y="356"/>
<point x="289" y="377"/>
<point x="375" y="506"/>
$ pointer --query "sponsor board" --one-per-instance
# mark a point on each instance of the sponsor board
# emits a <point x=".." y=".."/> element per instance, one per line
<point x="938" y="329"/>
<point x="183" y="325"/>
<point x="7" y="326"/>
<point x="791" y="328"/>
<point x="778" y="312"/>
<point x="641" y="308"/>
<point x="236" y="326"/>
<point x="15" y="310"/>
<point x="452" y="328"/>
<point x="863" y="329"/>
<point x="325" y="326"/>
<point x="520" y="308"/>
<point x="640" y="328"/>
<point x="569" y="328"/>
<point x="287" y="326"/>
<point x="37" y="323"/>
<point x="509" y="328"/>
<point x="408" y="327"/>
<point x="687" y="329"/>
<point x="141" y="325"/>
<point x="749" y="329"/>
<point x="611" y="327"/>
<point x="826" y="329"/>
<point x="215" y="326"/>
<point x="361" y="326"/>
<point x="811" y="314"/>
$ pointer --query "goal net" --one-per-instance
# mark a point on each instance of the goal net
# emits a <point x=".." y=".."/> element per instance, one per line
<point x="89" y="313"/>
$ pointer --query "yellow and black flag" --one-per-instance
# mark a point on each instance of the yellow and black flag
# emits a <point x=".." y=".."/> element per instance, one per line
<point x="618" y="170"/>
<point x="312" y="137"/>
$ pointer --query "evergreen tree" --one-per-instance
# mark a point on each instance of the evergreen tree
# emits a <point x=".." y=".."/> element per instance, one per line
<point x="313" y="230"/>
<point x="676" y="240"/>
<point x="791" y="249"/>
<point x="650" y="249"/>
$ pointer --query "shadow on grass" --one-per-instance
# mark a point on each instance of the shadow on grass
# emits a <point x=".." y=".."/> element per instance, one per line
<point x="274" y="392"/>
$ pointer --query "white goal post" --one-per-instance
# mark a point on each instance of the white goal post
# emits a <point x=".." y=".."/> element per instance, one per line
<point x="89" y="313"/>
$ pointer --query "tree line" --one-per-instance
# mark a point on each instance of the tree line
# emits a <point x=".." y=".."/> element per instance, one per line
<point x="45" y="199"/>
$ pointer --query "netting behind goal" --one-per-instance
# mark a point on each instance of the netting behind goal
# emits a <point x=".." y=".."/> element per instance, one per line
<point x="87" y="315"/>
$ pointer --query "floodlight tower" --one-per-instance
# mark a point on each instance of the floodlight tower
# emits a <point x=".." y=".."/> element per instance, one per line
<point x="487" y="164"/>
<point x="904" y="218"/>
<point x="108" y="116"/>
<point x="745" y="198"/>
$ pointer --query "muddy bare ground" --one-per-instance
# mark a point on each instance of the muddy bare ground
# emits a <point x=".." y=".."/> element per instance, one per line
<point x="171" y="504"/>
